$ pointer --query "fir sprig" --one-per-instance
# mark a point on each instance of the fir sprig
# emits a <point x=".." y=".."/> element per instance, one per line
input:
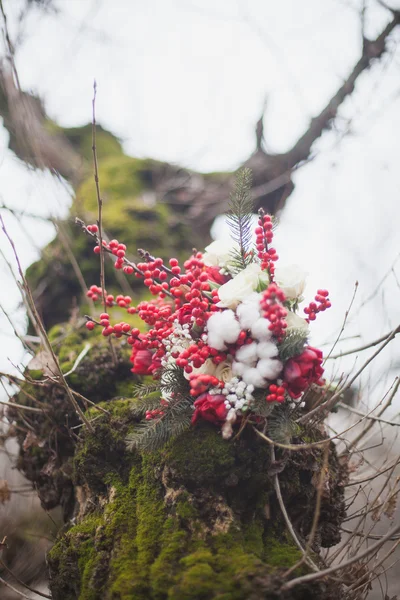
<point x="292" y="344"/>
<point x="239" y="219"/>
<point x="151" y="435"/>
<point x="144" y="403"/>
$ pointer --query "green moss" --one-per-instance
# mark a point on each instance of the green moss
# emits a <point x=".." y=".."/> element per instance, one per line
<point x="213" y="459"/>
<point x="281" y="554"/>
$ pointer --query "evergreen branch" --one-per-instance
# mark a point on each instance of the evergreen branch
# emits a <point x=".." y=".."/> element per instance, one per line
<point x="260" y="406"/>
<point x="239" y="219"/>
<point x="155" y="433"/>
<point x="145" y="403"/>
<point x="281" y="426"/>
<point x="292" y="344"/>
<point x="141" y="390"/>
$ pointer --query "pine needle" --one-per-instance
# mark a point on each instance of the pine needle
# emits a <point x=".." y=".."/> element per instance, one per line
<point x="239" y="219"/>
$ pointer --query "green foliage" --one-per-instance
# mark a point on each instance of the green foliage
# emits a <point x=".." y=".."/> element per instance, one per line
<point x="292" y="344"/>
<point x="239" y="219"/>
<point x="154" y="433"/>
<point x="282" y="426"/>
<point x="176" y="413"/>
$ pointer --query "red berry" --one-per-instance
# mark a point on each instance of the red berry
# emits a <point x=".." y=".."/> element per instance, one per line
<point x="90" y="325"/>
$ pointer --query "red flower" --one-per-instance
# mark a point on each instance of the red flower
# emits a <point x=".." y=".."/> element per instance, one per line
<point x="303" y="370"/>
<point x="215" y="275"/>
<point x="185" y="314"/>
<point x="210" y="408"/>
<point x="142" y="362"/>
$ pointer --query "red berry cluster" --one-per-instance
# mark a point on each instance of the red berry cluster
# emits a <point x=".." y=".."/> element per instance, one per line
<point x="276" y="393"/>
<point x="321" y="303"/>
<point x="201" y="383"/>
<point x="94" y="292"/>
<point x="264" y="237"/>
<point x="271" y="303"/>
<point x="154" y="414"/>
<point x="92" y="228"/>
<point x="196" y="355"/>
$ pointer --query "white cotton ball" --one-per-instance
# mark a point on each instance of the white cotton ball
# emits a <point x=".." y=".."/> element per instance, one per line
<point x="215" y="341"/>
<point x="238" y="368"/>
<point x="267" y="350"/>
<point x="247" y="354"/>
<point x="260" y="331"/>
<point x="253" y="376"/>
<point x="216" y="326"/>
<point x="269" y="368"/>
<point x="230" y="326"/>
<point x="247" y="314"/>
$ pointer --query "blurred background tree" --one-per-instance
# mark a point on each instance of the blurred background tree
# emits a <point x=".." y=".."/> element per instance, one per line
<point x="309" y="114"/>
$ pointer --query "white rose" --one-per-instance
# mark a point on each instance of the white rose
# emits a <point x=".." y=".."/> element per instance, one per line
<point x="295" y="322"/>
<point x="218" y="254"/>
<point x="223" y="371"/>
<point x="207" y="368"/>
<point x="241" y="286"/>
<point x="292" y="280"/>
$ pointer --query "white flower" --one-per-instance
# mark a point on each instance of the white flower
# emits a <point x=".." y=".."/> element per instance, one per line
<point x="295" y="322"/>
<point x="269" y="368"/>
<point x="223" y="329"/>
<point x="223" y="371"/>
<point x="260" y="329"/>
<point x="241" y="286"/>
<point x="238" y="368"/>
<point x="218" y="254"/>
<point x="247" y="354"/>
<point x="253" y="376"/>
<point x="291" y="279"/>
<point x="267" y="350"/>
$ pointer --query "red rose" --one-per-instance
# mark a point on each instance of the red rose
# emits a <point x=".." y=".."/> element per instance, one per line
<point x="215" y="275"/>
<point x="303" y="370"/>
<point x="185" y="314"/>
<point x="142" y="362"/>
<point x="210" y="408"/>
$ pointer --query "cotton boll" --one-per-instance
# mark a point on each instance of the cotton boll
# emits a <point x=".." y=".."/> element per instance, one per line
<point x="222" y="329"/>
<point x="247" y="354"/>
<point x="231" y="327"/>
<point x="214" y="327"/>
<point x="253" y="376"/>
<point x="260" y="331"/>
<point x="269" y="368"/>
<point x="267" y="350"/>
<point x="238" y="368"/>
<point x="247" y="314"/>
<point x="216" y="341"/>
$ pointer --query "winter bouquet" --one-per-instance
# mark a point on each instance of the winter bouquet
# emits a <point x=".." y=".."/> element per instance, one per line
<point x="222" y="340"/>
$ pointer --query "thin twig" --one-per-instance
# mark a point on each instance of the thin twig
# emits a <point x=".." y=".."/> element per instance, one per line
<point x="287" y="518"/>
<point x="100" y="215"/>
<point x="22" y="583"/>
<point x="3" y="581"/>
<point x="327" y="406"/>
<point x="327" y="572"/>
<point x="42" y="332"/>
<point x="361" y="348"/>
<point x="79" y="359"/>
<point x="346" y="315"/>
<point x="317" y="513"/>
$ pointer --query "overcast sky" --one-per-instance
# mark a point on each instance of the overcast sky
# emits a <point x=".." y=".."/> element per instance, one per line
<point x="185" y="81"/>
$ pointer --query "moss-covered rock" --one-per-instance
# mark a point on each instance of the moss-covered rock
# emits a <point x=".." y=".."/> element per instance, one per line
<point x="197" y="520"/>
